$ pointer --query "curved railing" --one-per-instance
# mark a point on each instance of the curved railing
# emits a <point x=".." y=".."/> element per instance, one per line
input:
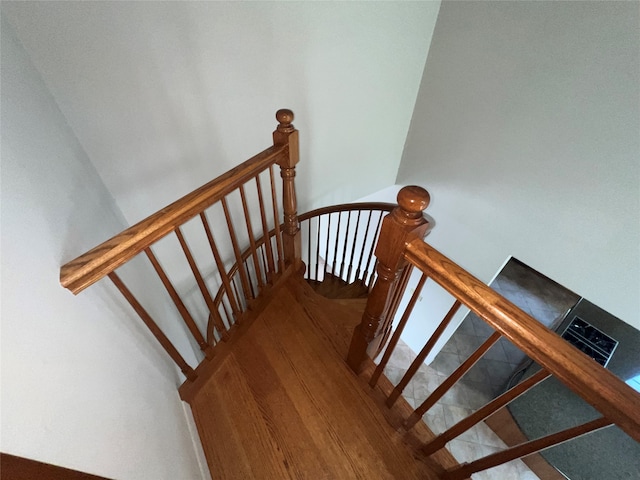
<point x="226" y="200"/>
<point x="338" y="240"/>
<point x="400" y="244"/>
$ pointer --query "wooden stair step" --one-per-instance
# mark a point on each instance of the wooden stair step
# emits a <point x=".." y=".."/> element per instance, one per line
<point x="284" y="404"/>
<point x="335" y="287"/>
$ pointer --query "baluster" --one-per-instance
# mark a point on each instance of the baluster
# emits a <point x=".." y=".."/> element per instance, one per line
<point x="226" y="313"/>
<point x="335" y="249"/>
<point x="271" y="267"/>
<point x="234" y="283"/>
<point x="353" y="248"/>
<point x="482" y="413"/>
<point x="236" y="250"/>
<point x="182" y="309"/>
<point x="396" y="335"/>
<point x="263" y="259"/>
<point x="202" y="285"/>
<point x="252" y="242"/>
<point x="286" y="134"/>
<point x="309" y="259"/>
<point x="398" y="292"/>
<point x="404" y="223"/>
<point x="153" y="326"/>
<point x="344" y="249"/>
<point x="326" y="246"/>
<point x="318" y="247"/>
<point x="276" y="217"/>
<point x="442" y="389"/>
<point x="220" y="265"/>
<point x="464" y="471"/>
<point x="364" y="244"/>
<point x="421" y="357"/>
<point x="251" y="284"/>
<point x="369" y="276"/>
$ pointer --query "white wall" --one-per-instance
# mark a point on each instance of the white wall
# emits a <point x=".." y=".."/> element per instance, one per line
<point x="83" y="384"/>
<point x="526" y="134"/>
<point x="166" y="95"/>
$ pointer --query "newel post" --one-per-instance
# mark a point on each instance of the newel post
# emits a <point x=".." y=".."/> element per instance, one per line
<point x="286" y="134"/>
<point x="403" y="224"/>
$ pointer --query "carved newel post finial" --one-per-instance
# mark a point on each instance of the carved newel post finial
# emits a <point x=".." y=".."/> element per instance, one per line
<point x="285" y="117"/>
<point x="412" y="200"/>
<point x="405" y="223"/>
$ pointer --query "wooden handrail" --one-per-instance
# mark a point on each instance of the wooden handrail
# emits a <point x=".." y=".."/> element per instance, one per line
<point x="347" y="207"/>
<point x="400" y="243"/>
<point x="104" y="259"/>
<point x="90" y="267"/>
<point x="602" y="389"/>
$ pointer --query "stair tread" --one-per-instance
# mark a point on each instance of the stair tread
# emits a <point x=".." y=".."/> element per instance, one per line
<point x="284" y="404"/>
<point x="335" y="287"/>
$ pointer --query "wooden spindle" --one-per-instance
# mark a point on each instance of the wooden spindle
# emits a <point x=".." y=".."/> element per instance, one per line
<point x="483" y="412"/>
<point x="244" y="280"/>
<point x="201" y="284"/>
<point x="252" y="284"/>
<point x="286" y="134"/>
<point x="404" y="223"/>
<point x="234" y="284"/>
<point x="318" y="246"/>
<point x="369" y="276"/>
<point x="353" y="247"/>
<point x="263" y="259"/>
<point x="182" y="309"/>
<point x="396" y="298"/>
<point x="442" y="389"/>
<point x="399" y="329"/>
<point x="422" y="355"/>
<point x="220" y="264"/>
<point x="464" y="471"/>
<point x="153" y="327"/>
<point x="271" y="266"/>
<point x="308" y="273"/>
<point x="252" y="241"/>
<point x="344" y="248"/>
<point x="326" y="245"/>
<point x="276" y="216"/>
<point x="364" y="244"/>
<point x="335" y="245"/>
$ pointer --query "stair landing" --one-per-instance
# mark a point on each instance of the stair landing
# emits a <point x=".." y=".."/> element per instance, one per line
<point x="283" y="404"/>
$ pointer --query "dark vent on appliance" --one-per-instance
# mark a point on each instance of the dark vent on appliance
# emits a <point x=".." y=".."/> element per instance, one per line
<point x="590" y="340"/>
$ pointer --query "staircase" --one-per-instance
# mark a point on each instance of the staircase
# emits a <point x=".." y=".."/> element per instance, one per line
<point x="296" y="309"/>
<point x="287" y="405"/>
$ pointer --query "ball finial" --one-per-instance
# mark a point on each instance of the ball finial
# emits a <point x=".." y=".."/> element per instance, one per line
<point x="285" y="117"/>
<point x="413" y="199"/>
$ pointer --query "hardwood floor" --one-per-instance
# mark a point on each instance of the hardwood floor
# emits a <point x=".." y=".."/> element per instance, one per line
<point x="283" y="404"/>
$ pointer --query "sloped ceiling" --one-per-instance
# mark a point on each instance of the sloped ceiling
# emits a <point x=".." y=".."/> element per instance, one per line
<point x="164" y="96"/>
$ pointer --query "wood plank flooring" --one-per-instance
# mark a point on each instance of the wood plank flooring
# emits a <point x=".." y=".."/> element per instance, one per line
<point x="283" y="404"/>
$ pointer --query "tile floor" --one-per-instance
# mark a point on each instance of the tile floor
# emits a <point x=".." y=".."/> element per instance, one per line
<point x="537" y="295"/>
<point x="453" y="407"/>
